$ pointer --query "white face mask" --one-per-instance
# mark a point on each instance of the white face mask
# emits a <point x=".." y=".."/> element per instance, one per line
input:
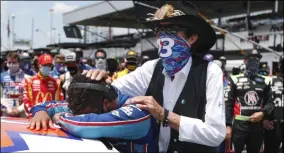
<point x="13" y="68"/>
<point x="101" y="64"/>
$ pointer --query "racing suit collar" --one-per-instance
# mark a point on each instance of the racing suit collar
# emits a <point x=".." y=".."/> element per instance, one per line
<point x="16" y="73"/>
<point x="41" y="76"/>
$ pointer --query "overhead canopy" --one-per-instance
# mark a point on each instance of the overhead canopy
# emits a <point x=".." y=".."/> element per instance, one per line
<point x="118" y="43"/>
<point x="68" y="45"/>
<point x="114" y="44"/>
<point x="259" y="17"/>
<point x="103" y="14"/>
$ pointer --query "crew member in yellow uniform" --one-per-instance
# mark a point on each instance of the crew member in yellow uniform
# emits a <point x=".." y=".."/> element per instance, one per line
<point x="131" y="64"/>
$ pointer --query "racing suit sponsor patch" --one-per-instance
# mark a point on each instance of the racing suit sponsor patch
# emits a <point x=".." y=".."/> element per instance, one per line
<point x="243" y="80"/>
<point x="259" y="79"/>
<point x="127" y="110"/>
<point x="251" y="98"/>
<point x="259" y="89"/>
<point x="239" y="84"/>
<point x="115" y="113"/>
<point x="279" y="84"/>
<point x="246" y="87"/>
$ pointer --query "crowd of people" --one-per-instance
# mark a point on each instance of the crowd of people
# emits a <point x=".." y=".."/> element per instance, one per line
<point x="185" y="101"/>
<point x="26" y="80"/>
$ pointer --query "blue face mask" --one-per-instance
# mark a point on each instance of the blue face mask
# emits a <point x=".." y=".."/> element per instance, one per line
<point x="45" y="70"/>
<point x="174" y="52"/>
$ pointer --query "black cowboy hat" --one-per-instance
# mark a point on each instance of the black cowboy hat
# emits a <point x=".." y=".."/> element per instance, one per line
<point x="254" y="53"/>
<point x="192" y="21"/>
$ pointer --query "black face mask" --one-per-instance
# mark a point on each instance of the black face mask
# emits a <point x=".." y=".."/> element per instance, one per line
<point x="252" y="65"/>
<point x="252" y="68"/>
<point x="72" y="70"/>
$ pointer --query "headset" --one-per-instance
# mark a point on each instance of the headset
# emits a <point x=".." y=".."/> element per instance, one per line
<point x="109" y="91"/>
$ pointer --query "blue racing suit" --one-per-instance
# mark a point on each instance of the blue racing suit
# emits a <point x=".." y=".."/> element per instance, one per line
<point x="55" y="74"/>
<point x="128" y="127"/>
<point x="30" y="72"/>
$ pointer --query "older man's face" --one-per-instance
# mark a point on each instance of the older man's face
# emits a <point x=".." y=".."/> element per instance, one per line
<point x="176" y="30"/>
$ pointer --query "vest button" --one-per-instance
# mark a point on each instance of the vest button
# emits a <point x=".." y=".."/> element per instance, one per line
<point x="183" y="101"/>
<point x="175" y="151"/>
<point x="175" y="140"/>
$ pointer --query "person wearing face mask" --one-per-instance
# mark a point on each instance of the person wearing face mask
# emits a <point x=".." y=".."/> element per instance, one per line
<point x="183" y="92"/>
<point x="3" y="63"/>
<point x="74" y="66"/>
<point x="130" y="64"/>
<point x="100" y="59"/>
<point x="273" y="125"/>
<point x="112" y="66"/>
<point x="249" y="102"/>
<point x="26" y="64"/>
<point x="264" y="70"/>
<point x="35" y="65"/>
<point x="12" y="87"/>
<point x="59" y="66"/>
<point x="41" y="87"/>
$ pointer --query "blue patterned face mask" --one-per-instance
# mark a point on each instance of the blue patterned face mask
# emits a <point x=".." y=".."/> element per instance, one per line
<point x="174" y="52"/>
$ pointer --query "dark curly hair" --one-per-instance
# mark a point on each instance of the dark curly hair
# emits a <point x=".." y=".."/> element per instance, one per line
<point x="79" y="98"/>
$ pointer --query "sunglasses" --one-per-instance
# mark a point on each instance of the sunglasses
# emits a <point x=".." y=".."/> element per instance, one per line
<point x="100" y="57"/>
<point x="170" y="29"/>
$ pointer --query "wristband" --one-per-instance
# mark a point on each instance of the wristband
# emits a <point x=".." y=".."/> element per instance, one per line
<point x="165" y="119"/>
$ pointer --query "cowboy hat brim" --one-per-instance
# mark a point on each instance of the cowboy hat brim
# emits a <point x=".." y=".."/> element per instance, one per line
<point x="254" y="55"/>
<point x="205" y="32"/>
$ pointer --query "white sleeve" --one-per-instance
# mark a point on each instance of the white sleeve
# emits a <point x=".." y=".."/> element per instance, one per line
<point x="21" y="108"/>
<point x="136" y="83"/>
<point x="213" y="131"/>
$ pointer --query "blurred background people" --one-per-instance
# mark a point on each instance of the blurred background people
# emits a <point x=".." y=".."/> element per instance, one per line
<point x="26" y="64"/>
<point x="74" y="66"/>
<point x="12" y="87"/>
<point x="41" y="87"/>
<point x="35" y="64"/>
<point x="59" y="66"/>
<point x="264" y="70"/>
<point x="130" y="65"/>
<point x="208" y="57"/>
<point x="248" y="103"/>
<point x="144" y="59"/>
<point x="112" y="66"/>
<point x="100" y="59"/>
<point x="3" y="64"/>
<point x="273" y="125"/>
<point x="236" y="70"/>
<point x="223" y="67"/>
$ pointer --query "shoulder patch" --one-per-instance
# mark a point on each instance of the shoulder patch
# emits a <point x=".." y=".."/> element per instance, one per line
<point x="127" y="110"/>
<point x="115" y="113"/>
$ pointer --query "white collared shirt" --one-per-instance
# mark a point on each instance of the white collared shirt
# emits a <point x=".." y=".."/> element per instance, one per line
<point x="211" y="132"/>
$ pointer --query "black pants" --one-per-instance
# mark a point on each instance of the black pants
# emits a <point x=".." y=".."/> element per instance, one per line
<point x="273" y="139"/>
<point x="249" y="136"/>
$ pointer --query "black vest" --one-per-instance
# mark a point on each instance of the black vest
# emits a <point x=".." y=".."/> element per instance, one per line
<point x="191" y="102"/>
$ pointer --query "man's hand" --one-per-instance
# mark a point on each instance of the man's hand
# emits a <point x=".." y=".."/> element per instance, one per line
<point x="268" y="125"/>
<point x="14" y="113"/>
<point x="55" y="118"/>
<point x="256" y="117"/>
<point x="228" y="133"/>
<point x="150" y="104"/>
<point x="98" y="75"/>
<point x="41" y="119"/>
